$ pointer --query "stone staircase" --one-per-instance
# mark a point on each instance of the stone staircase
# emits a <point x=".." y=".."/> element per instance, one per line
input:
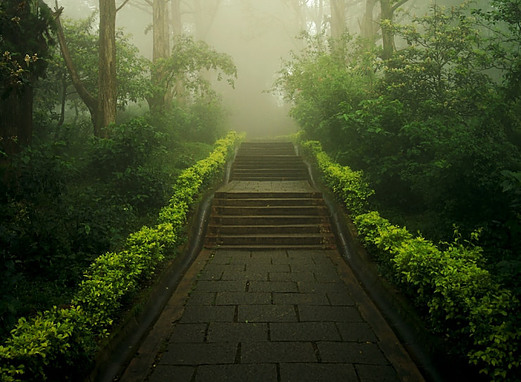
<point x="257" y="161"/>
<point x="269" y="203"/>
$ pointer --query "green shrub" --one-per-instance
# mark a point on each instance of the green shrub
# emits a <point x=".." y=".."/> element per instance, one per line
<point x="449" y="284"/>
<point x="348" y="185"/>
<point x="59" y="343"/>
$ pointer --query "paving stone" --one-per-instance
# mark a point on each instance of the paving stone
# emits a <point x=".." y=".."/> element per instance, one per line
<point x="273" y="286"/>
<point x="329" y="313"/>
<point x="243" y="298"/>
<point x="201" y="298"/>
<point x="351" y="352"/>
<point x="326" y="276"/>
<point x="300" y="298"/>
<point x="304" y="331"/>
<point x="221" y="286"/>
<point x="292" y="276"/>
<point x="340" y="299"/>
<point x="275" y="352"/>
<point x="237" y="332"/>
<point x="210" y="274"/>
<point x="258" y="260"/>
<point x="267" y="313"/>
<point x="271" y="254"/>
<point x="356" y="332"/>
<point x="376" y="373"/>
<point x="268" y="267"/>
<point x="164" y="373"/>
<point x="303" y="261"/>
<point x="189" y="333"/>
<point x="201" y="313"/>
<point x="251" y="275"/>
<point x="305" y="252"/>
<point x="231" y="257"/>
<point x="224" y="267"/>
<point x="323" y="266"/>
<point x="237" y="373"/>
<point x="316" y="287"/>
<point x="317" y="372"/>
<point x="199" y="354"/>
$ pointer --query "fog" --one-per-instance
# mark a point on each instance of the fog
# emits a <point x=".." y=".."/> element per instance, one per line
<point x="257" y="37"/>
<point x="258" y="34"/>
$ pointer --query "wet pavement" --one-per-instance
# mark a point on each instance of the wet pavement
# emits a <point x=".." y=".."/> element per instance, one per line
<point x="271" y="316"/>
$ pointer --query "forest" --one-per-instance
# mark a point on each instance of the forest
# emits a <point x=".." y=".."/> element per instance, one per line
<point x="110" y="107"/>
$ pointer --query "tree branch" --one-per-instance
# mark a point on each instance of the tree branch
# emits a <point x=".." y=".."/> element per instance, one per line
<point x="122" y="5"/>
<point x="398" y="5"/>
<point x="90" y="101"/>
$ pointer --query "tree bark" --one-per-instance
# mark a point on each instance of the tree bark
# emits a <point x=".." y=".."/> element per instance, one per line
<point x="338" y="27"/>
<point x="88" y="99"/>
<point x="338" y="18"/>
<point x="107" y="99"/>
<point x="176" y="21"/>
<point x="367" y="27"/>
<point x="16" y="126"/>
<point x="160" y="50"/>
<point x="387" y="33"/>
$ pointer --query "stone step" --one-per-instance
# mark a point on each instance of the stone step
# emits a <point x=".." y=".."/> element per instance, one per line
<point x="281" y="220"/>
<point x="257" y="178"/>
<point x="258" y="239"/>
<point x="265" y="202"/>
<point x="269" y="247"/>
<point x="267" y="229"/>
<point x="268" y="195"/>
<point x="271" y="210"/>
<point x="271" y="171"/>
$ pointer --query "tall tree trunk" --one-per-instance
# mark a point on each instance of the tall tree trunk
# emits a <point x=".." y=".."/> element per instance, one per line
<point x="107" y="99"/>
<point x="16" y="126"/>
<point x="338" y="27"/>
<point x="178" y="90"/>
<point x="175" y="17"/>
<point x="386" y="18"/>
<point x="367" y="26"/>
<point x="160" y="50"/>
<point x="88" y="99"/>
<point x="338" y="18"/>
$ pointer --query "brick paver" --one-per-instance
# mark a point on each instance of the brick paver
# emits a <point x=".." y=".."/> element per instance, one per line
<point x="295" y="324"/>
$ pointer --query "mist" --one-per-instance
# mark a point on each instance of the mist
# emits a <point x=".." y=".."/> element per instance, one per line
<point x="257" y="37"/>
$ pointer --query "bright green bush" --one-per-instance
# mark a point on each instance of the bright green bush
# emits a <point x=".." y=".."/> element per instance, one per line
<point x="460" y="298"/>
<point x="347" y="184"/>
<point x="59" y="343"/>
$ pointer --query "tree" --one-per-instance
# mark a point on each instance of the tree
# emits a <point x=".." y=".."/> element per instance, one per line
<point x="338" y="18"/>
<point x="388" y="8"/>
<point x="25" y="40"/>
<point x="103" y="107"/>
<point x="107" y="98"/>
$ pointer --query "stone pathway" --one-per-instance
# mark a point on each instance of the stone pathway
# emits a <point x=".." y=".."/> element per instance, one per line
<point x="271" y="316"/>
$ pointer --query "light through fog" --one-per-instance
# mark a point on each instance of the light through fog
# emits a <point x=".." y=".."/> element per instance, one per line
<point x="258" y="34"/>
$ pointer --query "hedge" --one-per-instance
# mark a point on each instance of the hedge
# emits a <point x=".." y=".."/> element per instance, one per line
<point x="448" y="282"/>
<point x="60" y="343"/>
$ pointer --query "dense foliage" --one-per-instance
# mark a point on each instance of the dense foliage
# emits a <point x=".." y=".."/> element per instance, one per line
<point x="59" y="343"/>
<point x="435" y="128"/>
<point x="25" y="43"/>
<point x="460" y="299"/>
<point x="435" y="131"/>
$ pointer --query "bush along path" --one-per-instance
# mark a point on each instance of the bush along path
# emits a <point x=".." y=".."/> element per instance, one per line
<point x="265" y="301"/>
<point x="59" y="344"/>
<point x="462" y="303"/>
